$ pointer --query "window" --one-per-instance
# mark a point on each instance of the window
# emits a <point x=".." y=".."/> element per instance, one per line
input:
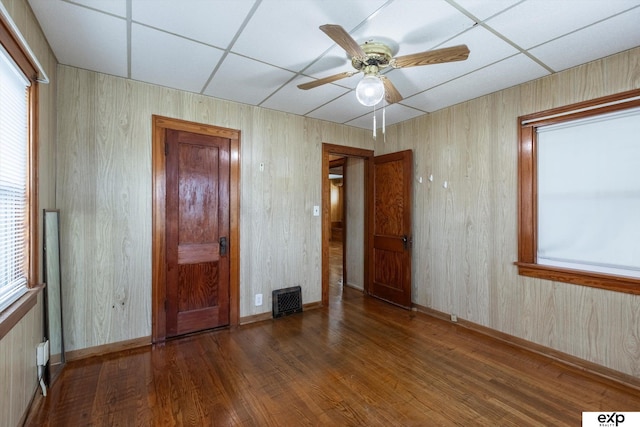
<point x="579" y="193"/>
<point x="13" y="181"/>
<point x="18" y="170"/>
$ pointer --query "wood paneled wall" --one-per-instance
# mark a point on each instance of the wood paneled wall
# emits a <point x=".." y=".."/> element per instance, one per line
<point x="18" y="375"/>
<point x="104" y="191"/>
<point x="465" y="236"/>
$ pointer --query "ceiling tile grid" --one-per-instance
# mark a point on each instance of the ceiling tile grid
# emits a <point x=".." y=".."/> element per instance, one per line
<point x="257" y="51"/>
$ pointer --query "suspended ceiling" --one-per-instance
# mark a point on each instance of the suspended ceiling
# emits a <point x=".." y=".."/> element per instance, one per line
<point x="257" y="51"/>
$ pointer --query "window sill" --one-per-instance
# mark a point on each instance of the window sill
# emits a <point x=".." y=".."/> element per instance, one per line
<point x="624" y="284"/>
<point x="12" y="315"/>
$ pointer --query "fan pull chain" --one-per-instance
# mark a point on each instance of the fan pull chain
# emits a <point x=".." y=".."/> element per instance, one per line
<point x="374" y="122"/>
<point x="384" y="133"/>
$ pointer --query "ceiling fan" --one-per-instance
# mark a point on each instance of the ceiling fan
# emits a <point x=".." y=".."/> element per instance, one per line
<point x="371" y="57"/>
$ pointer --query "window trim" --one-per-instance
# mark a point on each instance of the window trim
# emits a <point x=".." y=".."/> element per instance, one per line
<point x="19" y="53"/>
<point x="528" y="197"/>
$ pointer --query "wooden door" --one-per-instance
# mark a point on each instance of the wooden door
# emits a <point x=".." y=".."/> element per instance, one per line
<point x="391" y="228"/>
<point x="197" y="232"/>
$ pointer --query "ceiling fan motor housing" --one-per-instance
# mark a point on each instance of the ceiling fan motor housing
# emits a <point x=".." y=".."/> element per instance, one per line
<point x="378" y="56"/>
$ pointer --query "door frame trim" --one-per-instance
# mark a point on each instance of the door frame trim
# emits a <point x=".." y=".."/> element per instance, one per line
<point x="367" y="156"/>
<point x="158" y="273"/>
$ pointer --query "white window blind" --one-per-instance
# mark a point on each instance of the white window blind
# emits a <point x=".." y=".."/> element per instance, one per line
<point x="589" y="194"/>
<point x="13" y="181"/>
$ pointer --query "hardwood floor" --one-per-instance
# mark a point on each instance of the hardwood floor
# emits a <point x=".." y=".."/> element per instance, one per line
<point x="357" y="362"/>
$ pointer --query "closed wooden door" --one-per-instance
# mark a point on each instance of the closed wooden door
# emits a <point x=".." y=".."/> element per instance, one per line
<point x="391" y="222"/>
<point x="197" y="232"/>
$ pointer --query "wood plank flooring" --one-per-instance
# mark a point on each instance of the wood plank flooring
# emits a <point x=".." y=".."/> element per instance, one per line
<point x="359" y="361"/>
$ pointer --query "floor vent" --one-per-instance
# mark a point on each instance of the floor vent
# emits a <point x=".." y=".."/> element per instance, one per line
<point x="287" y="301"/>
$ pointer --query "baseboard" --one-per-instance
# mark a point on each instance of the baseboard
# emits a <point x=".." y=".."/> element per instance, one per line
<point x="312" y="305"/>
<point x="106" y="348"/>
<point x="269" y="315"/>
<point x="256" y="318"/>
<point x="354" y="287"/>
<point x="558" y="356"/>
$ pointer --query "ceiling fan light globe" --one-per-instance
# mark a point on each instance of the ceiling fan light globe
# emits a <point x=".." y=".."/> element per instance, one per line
<point x="370" y="91"/>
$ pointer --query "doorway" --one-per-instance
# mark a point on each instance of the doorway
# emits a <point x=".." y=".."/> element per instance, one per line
<point x="161" y="224"/>
<point x="341" y="156"/>
<point x="337" y="260"/>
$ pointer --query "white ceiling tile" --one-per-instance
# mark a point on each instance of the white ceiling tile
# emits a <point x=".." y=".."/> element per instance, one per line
<point x="115" y="7"/>
<point x="285" y="33"/>
<point x="334" y="62"/>
<point x="242" y="80"/>
<point x="341" y="110"/>
<point x="510" y="72"/>
<point x="532" y="23"/>
<point x="614" y="35"/>
<point x="485" y="48"/>
<point x="414" y="25"/>
<point x="171" y="61"/>
<point x="485" y="9"/>
<point x="294" y="100"/>
<point x="77" y="43"/>
<point x="212" y="22"/>
<point x="395" y="113"/>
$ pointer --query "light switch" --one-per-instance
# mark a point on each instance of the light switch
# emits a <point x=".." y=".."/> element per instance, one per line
<point x="316" y="211"/>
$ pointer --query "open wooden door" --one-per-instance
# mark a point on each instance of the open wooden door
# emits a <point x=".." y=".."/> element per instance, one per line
<point x="390" y="245"/>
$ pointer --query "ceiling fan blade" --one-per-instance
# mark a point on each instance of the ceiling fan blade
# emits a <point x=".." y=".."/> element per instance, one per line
<point x="325" y="80"/>
<point x="344" y="40"/>
<point x="438" y="56"/>
<point x="391" y="94"/>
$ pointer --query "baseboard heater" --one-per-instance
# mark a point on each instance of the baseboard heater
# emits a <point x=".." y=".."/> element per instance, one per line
<point x="287" y="301"/>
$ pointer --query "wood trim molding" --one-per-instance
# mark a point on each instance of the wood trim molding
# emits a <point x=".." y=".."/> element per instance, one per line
<point x="16" y="311"/>
<point x="159" y="125"/>
<point x="564" y="358"/>
<point x="528" y="193"/>
<point x="101" y="350"/>
<point x="367" y="156"/>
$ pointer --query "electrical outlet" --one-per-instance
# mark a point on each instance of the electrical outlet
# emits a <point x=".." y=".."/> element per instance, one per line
<point x="42" y="353"/>
<point x="258" y="300"/>
<point x="454" y="318"/>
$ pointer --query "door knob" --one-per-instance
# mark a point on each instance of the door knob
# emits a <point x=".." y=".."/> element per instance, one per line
<point x="223" y="246"/>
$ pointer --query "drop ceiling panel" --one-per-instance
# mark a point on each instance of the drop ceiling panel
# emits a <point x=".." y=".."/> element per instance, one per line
<point x="215" y="23"/>
<point x="76" y="42"/>
<point x="414" y="26"/>
<point x="615" y="34"/>
<point x="532" y="23"/>
<point x="115" y="7"/>
<point x="512" y="71"/>
<point x="486" y="9"/>
<point x="302" y="41"/>
<point x="246" y="81"/>
<point x="297" y="101"/>
<point x="394" y="113"/>
<point x="334" y="62"/>
<point x="341" y="110"/>
<point x="486" y="48"/>
<point x="166" y="60"/>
